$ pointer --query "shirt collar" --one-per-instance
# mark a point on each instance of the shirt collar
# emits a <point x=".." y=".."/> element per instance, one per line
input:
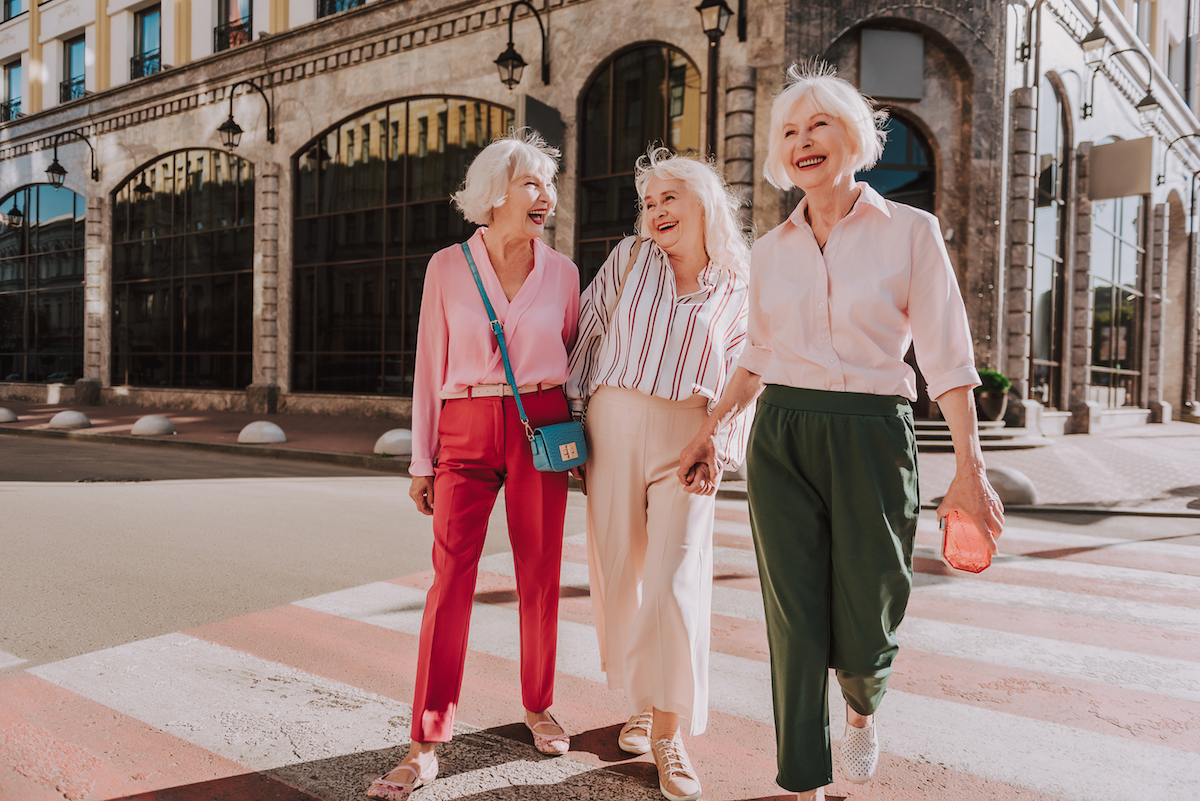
<point x="867" y="196"/>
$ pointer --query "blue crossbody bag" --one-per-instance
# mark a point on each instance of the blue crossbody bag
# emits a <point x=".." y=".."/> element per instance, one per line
<point x="556" y="448"/>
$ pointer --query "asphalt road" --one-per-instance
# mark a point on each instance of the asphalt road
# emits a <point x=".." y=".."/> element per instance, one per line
<point x="102" y="544"/>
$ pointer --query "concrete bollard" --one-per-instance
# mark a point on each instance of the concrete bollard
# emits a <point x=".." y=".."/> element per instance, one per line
<point x="8" y="416"/>
<point x="153" y="425"/>
<point x="261" y="432"/>
<point x="69" y="420"/>
<point x="1013" y="486"/>
<point x="397" y="442"/>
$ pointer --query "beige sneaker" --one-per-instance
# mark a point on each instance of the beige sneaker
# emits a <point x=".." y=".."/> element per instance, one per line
<point x="635" y="734"/>
<point x="676" y="779"/>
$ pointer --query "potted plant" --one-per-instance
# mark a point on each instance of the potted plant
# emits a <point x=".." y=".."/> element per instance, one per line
<point x="991" y="396"/>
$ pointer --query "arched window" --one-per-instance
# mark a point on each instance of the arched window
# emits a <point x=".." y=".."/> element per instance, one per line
<point x="904" y="172"/>
<point x="41" y="286"/>
<point x="643" y="96"/>
<point x="372" y="205"/>
<point x="1049" y="246"/>
<point x="183" y="272"/>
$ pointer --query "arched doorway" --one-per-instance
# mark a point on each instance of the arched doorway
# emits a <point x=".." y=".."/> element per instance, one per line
<point x="372" y="204"/>
<point x="645" y="95"/>
<point x="183" y="270"/>
<point x="41" y="285"/>
<point x="1049" y="251"/>
<point x="905" y="171"/>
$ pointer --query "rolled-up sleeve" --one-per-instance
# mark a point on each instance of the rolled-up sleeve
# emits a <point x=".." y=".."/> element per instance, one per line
<point x="733" y="437"/>
<point x="429" y="374"/>
<point x="938" y="316"/>
<point x="756" y="354"/>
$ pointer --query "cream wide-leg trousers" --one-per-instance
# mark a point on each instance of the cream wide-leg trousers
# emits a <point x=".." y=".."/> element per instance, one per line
<point x="649" y="552"/>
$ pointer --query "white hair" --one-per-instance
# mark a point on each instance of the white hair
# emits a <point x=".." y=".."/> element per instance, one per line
<point x="522" y="152"/>
<point x="724" y="240"/>
<point x="818" y="83"/>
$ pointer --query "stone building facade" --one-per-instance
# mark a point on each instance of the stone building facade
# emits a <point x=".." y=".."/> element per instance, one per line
<point x="285" y="274"/>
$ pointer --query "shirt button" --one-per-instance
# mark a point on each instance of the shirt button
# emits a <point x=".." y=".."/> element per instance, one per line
<point x="824" y="336"/>
<point x="820" y="305"/>
<point x="837" y="387"/>
<point x="832" y="359"/>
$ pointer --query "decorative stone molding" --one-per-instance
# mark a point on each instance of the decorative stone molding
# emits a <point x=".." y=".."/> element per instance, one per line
<point x="266" y="274"/>
<point x="741" y="85"/>
<point x="1156" y="268"/>
<point x="1085" y="414"/>
<point x="1018" y="299"/>
<point x="95" y="289"/>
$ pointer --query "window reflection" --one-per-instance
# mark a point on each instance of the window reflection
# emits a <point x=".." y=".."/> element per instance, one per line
<point x="644" y="96"/>
<point x="1049" y="243"/>
<point x="372" y="204"/>
<point x="904" y="172"/>
<point x="41" y="286"/>
<point x="1116" y="259"/>
<point x="183" y="261"/>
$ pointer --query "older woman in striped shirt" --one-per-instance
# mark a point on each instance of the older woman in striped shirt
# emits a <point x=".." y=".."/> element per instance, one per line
<point x="660" y="330"/>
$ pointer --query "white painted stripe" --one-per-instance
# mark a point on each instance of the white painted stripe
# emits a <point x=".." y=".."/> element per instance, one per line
<point x="1067" y="539"/>
<point x="295" y="726"/>
<point x="1175" y="678"/>
<point x="7" y="660"/>
<point x="1087" y="570"/>
<point x="744" y="604"/>
<point x="1058" y="602"/>
<point x="1028" y="753"/>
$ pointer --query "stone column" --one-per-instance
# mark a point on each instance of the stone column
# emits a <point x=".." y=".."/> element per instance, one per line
<point x="1156" y="274"/>
<point x="95" y="305"/>
<point x="1019" y="279"/>
<point x="741" y="85"/>
<point x="262" y="396"/>
<point x="1085" y="413"/>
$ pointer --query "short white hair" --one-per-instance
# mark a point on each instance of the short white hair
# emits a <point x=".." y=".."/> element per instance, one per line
<point x="522" y="152"/>
<point x="724" y="240"/>
<point x="818" y="83"/>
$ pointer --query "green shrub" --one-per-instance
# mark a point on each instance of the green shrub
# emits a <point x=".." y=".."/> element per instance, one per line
<point x="993" y="382"/>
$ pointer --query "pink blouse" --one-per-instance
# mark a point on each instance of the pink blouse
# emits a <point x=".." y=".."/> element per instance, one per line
<point x="455" y="345"/>
<point x="842" y="320"/>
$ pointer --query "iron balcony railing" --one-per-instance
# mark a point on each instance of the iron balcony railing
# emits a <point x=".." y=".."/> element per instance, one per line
<point x="70" y="89"/>
<point x="10" y="110"/>
<point x="145" y="64"/>
<point x="327" y="7"/>
<point x="231" y="34"/>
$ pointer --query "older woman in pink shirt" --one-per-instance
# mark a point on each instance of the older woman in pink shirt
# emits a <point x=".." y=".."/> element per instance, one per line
<point x="838" y="292"/>
<point x="468" y="439"/>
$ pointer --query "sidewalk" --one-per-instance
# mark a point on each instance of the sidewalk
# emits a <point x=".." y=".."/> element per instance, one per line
<point x="1150" y="469"/>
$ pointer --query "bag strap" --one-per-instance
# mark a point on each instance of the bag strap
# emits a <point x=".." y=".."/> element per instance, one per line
<point x="637" y="245"/>
<point x="498" y="330"/>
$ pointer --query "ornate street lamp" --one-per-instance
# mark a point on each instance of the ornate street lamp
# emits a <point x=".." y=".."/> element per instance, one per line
<point x="142" y="188"/>
<point x="15" y="217"/>
<point x="1147" y="107"/>
<point x="56" y="173"/>
<point x="1162" y="176"/>
<point x="714" y="18"/>
<point x="230" y="132"/>
<point x="510" y="63"/>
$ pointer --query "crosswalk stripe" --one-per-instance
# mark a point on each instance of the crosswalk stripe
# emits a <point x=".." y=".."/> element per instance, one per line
<point x="9" y="660"/>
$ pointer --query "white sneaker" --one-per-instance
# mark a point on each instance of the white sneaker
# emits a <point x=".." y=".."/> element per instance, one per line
<point x="635" y="734"/>
<point x="860" y="752"/>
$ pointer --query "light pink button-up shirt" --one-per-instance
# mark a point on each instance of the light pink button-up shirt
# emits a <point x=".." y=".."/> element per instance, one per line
<point x="455" y="345"/>
<point x="843" y="320"/>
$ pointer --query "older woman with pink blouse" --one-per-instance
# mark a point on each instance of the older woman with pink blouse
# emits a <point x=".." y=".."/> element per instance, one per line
<point x="468" y="439"/>
<point x="839" y="292"/>
<point x="660" y="330"/>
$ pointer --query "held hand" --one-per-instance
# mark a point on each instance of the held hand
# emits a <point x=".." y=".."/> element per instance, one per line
<point x="421" y="491"/>
<point x="580" y="473"/>
<point x="972" y="495"/>
<point x="698" y="463"/>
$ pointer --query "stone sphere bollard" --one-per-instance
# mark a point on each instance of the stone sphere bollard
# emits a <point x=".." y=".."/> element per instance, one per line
<point x="8" y="416"/>
<point x="260" y="432"/>
<point x="66" y="421"/>
<point x="397" y="442"/>
<point x="153" y="425"/>
<point x="1013" y="486"/>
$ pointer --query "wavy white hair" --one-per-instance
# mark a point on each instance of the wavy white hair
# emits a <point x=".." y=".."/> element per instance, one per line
<point x="724" y="239"/>
<point x="522" y="152"/>
<point x="817" y="82"/>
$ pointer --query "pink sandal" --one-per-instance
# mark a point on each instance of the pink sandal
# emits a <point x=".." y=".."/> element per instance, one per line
<point x="550" y="744"/>
<point x="400" y="791"/>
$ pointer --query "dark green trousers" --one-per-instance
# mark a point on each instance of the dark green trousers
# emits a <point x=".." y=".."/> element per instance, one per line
<point x="833" y="493"/>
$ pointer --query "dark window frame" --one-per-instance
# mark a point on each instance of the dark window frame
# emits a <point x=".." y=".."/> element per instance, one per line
<point x="73" y="87"/>
<point x="327" y="8"/>
<point x="229" y="34"/>
<point x="10" y="109"/>
<point x="145" y="62"/>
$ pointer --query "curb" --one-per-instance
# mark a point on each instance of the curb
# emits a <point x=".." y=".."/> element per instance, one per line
<point x="383" y="464"/>
<point x="1067" y="508"/>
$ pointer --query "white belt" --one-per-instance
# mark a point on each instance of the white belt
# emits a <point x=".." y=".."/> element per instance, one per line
<point x="495" y="391"/>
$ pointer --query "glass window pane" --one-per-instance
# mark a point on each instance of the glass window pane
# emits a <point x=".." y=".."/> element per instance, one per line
<point x="12" y="325"/>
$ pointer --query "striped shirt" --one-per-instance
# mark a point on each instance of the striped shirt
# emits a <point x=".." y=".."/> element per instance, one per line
<point x="657" y="342"/>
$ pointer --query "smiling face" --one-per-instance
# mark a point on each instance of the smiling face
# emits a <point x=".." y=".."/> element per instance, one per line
<point x="525" y="209"/>
<point x="817" y="149"/>
<point x="674" y="215"/>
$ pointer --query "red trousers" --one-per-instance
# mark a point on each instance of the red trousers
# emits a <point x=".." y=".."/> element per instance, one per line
<point x="482" y="445"/>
